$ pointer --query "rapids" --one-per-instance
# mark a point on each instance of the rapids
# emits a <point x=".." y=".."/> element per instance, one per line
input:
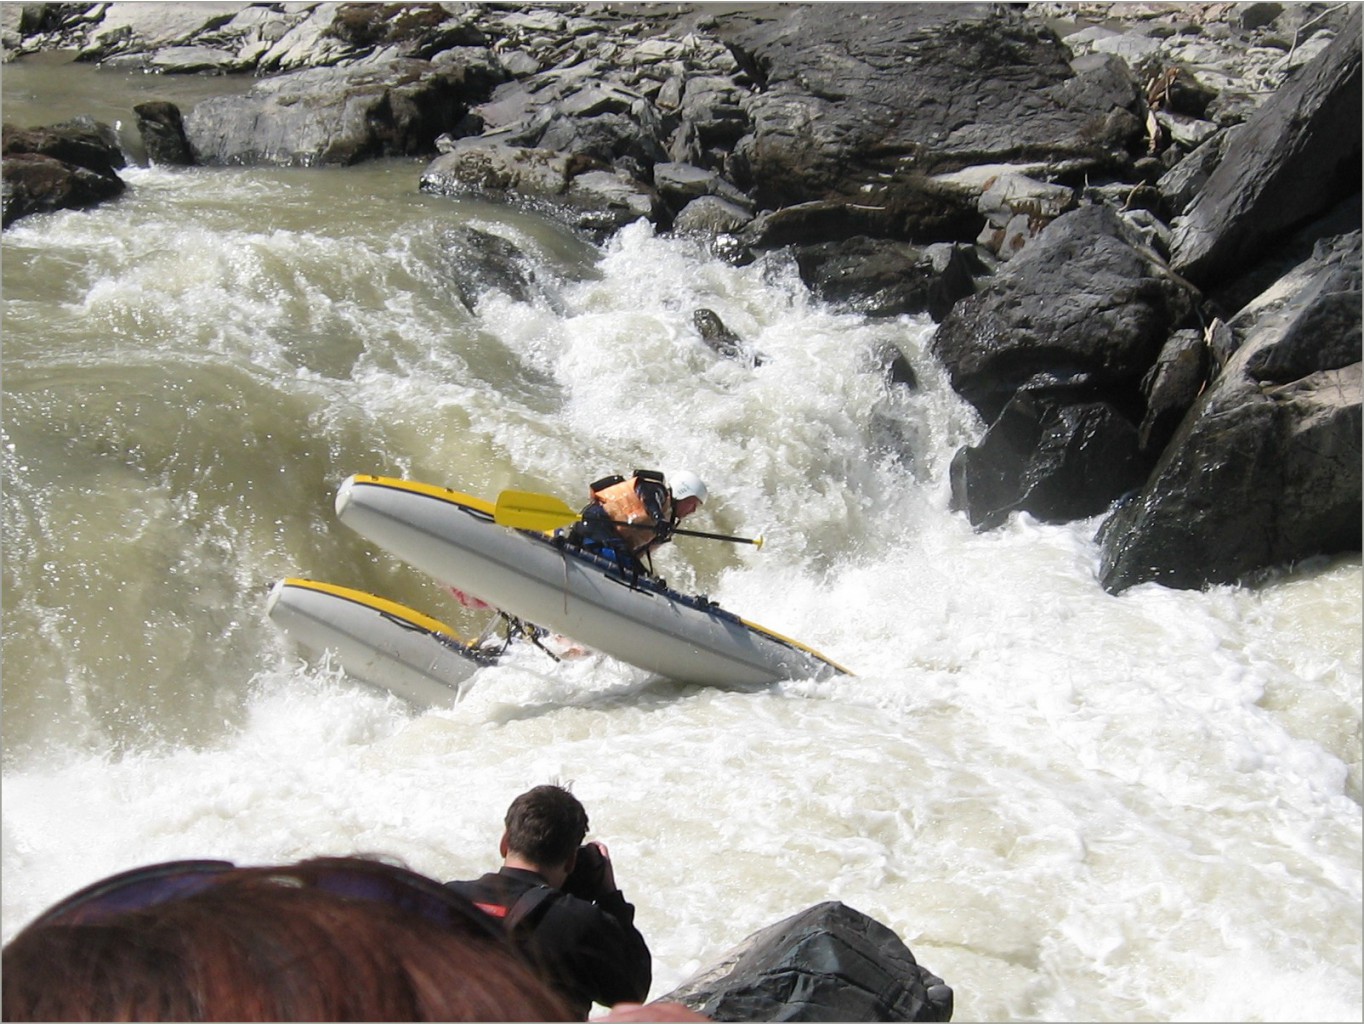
<point x="1071" y="806"/>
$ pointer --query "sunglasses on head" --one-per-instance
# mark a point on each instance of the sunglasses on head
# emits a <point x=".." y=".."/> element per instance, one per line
<point x="393" y="886"/>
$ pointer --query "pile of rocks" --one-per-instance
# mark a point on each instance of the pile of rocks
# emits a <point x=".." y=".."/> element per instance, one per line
<point x="1120" y="214"/>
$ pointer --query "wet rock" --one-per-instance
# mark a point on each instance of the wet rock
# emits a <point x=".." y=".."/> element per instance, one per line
<point x="163" y="133"/>
<point x="884" y="278"/>
<point x="64" y="166"/>
<point x="826" y="963"/>
<point x="596" y="201"/>
<point x="1086" y="305"/>
<point x="1265" y="470"/>
<point x="721" y="340"/>
<point x="1179" y="375"/>
<point x="1051" y="456"/>
<point x="711" y="217"/>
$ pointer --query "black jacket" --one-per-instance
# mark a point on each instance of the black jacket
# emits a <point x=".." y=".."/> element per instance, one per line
<point x="590" y="951"/>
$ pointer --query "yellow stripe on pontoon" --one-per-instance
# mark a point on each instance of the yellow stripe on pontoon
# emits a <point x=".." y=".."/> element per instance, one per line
<point x="798" y="645"/>
<point x="379" y="604"/>
<point x="430" y="490"/>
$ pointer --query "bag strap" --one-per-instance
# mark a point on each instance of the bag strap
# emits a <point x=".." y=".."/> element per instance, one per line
<point x="526" y="905"/>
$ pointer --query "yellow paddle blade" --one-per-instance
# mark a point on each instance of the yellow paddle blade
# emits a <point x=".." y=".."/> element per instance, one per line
<point x="526" y="510"/>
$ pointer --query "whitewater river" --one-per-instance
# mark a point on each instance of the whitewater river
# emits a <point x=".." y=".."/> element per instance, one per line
<point x="1071" y="806"/>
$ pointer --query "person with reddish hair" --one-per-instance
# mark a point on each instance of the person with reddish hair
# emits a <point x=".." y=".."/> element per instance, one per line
<point x="324" y="939"/>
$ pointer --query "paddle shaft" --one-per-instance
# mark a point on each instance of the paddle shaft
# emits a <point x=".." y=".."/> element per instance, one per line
<point x="686" y="533"/>
<point x="528" y="510"/>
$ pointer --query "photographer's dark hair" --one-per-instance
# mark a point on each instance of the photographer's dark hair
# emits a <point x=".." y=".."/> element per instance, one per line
<point x="546" y="824"/>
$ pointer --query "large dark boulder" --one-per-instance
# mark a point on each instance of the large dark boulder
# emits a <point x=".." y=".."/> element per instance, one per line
<point x="1294" y="159"/>
<point x="1266" y="468"/>
<point x="862" y="101"/>
<point x="70" y="165"/>
<point x="1086" y="305"/>
<point x="826" y="963"/>
<point x="163" y="133"/>
<point x="1058" y="460"/>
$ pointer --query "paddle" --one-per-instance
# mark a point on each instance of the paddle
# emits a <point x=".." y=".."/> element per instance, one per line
<point x="526" y="510"/>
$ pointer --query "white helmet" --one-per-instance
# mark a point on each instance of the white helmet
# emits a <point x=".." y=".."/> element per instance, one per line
<point x="686" y="484"/>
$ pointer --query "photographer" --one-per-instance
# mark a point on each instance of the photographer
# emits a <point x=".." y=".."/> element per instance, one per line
<point x="558" y="901"/>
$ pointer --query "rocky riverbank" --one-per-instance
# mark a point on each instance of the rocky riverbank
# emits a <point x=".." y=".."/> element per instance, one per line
<point x="1138" y="225"/>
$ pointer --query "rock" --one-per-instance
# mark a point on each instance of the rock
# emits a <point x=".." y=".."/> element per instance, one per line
<point x="335" y="116"/>
<point x="1050" y="456"/>
<point x="1265" y="470"/>
<point x="603" y="202"/>
<point x="40" y="184"/>
<point x="1296" y="158"/>
<point x="884" y="278"/>
<point x="476" y="262"/>
<point x="65" y="166"/>
<point x="862" y="101"/>
<point x="163" y="133"/>
<point x="131" y="28"/>
<point x="711" y="216"/>
<point x="81" y="142"/>
<point x="826" y="963"/>
<point x="1257" y="15"/>
<point x="1016" y="208"/>
<point x="1178" y="377"/>
<point x="679" y="184"/>
<point x="925" y="211"/>
<point x="1085" y="306"/>
<point x="594" y="201"/>
<point x="722" y="340"/>
<point x="482" y="167"/>
<point x="1181" y="184"/>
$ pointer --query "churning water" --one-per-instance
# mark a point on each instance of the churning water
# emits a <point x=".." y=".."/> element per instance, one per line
<point x="1071" y="806"/>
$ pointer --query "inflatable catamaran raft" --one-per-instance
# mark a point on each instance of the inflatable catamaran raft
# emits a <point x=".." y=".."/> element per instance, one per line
<point x="533" y="576"/>
<point x="378" y="641"/>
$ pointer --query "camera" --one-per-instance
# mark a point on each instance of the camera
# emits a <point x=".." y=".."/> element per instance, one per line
<point x="588" y="874"/>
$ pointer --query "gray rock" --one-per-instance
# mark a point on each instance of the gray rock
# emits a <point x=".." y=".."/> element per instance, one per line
<point x="1265" y="470"/>
<point x="861" y="100"/>
<point x="480" y="166"/>
<point x="335" y="116"/>
<point x="1179" y="186"/>
<point x="1178" y="377"/>
<point x="711" y="217"/>
<point x="1296" y="158"/>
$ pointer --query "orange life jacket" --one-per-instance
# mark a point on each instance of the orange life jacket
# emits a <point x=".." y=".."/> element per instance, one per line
<point x="623" y="504"/>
